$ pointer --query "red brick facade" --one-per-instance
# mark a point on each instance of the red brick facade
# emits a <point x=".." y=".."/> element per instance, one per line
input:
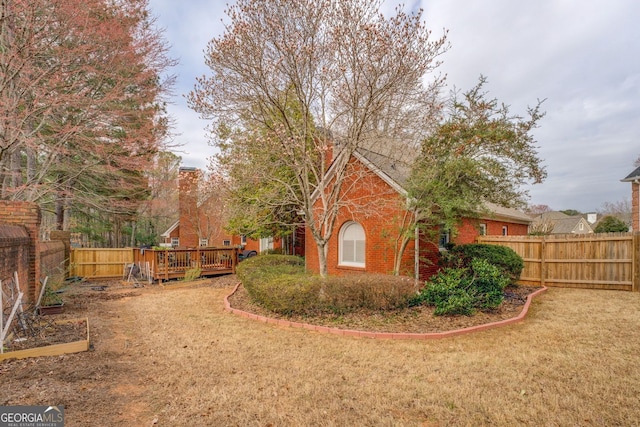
<point x="380" y="210"/>
<point x="469" y="230"/>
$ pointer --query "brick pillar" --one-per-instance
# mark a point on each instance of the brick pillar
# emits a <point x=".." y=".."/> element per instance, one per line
<point x="28" y="215"/>
<point x="64" y="237"/>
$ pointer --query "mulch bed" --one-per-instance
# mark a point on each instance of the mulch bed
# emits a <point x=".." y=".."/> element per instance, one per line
<point x="411" y="320"/>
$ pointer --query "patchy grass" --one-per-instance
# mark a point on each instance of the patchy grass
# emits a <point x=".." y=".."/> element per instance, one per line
<point x="174" y="357"/>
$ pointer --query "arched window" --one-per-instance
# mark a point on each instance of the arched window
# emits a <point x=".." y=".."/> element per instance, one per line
<point x="351" y="248"/>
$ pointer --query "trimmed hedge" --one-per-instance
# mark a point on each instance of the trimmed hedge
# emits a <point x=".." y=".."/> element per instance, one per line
<point x="280" y="284"/>
<point x="506" y="259"/>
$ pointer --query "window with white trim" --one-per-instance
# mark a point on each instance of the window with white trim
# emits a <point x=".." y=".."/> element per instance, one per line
<point x="226" y="243"/>
<point x="505" y="230"/>
<point x="352" y="245"/>
<point x="445" y="238"/>
<point x="204" y="242"/>
<point x="243" y="240"/>
<point x="483" y="229"/>
<point x="175" y="241"/>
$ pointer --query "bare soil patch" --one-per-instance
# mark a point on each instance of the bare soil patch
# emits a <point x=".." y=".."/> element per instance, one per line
<point x="411" y="320"/>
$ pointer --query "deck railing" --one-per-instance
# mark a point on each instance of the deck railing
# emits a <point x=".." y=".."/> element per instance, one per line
<point x="165" y="264"/>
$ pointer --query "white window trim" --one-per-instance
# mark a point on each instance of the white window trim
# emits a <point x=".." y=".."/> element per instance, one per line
<point x="342" y="263"/>
<point x="505" y="230"/>
<point x="483" y="229"/>
<point x="204" y="242"/>
<point x="447" y="237"/>
<point x="175" y="241"/>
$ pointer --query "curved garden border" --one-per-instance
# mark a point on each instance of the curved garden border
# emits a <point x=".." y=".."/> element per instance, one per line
<point x="382" y="335"/>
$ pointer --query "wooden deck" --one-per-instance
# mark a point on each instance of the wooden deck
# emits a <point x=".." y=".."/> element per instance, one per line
<point x="175" y="263"/>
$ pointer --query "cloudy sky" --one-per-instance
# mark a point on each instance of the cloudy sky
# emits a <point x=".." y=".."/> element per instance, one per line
<point x="581" y="56"/>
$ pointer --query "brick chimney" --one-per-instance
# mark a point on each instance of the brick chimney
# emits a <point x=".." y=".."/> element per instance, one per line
<point x="188" y="206"/>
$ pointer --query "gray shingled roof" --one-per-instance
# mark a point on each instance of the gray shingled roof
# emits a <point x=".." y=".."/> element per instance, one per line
<point x="399" y="171"/>
<point x="562" y="223"/>
<point x="632" y="176"/>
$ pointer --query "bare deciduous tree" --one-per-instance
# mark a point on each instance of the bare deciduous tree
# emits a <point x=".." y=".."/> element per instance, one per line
<point x="354" y="77"/>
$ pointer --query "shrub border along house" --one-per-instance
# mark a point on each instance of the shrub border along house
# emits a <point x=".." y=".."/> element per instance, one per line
<point x="368" y="334"/>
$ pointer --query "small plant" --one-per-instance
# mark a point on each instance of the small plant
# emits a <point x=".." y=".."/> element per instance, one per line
<point x="50" y="297"/>
<point x="192" y="274"/>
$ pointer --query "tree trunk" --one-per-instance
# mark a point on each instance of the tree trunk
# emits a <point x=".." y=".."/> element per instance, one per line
<point x="134" y="225"/>
<point x="323" y="249"/>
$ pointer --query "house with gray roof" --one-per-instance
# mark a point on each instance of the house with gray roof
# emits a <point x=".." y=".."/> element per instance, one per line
<point x="560" y="223"/>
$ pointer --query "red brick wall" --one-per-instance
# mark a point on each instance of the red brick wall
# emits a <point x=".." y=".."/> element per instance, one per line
<point x="52" y="261"/>
<point x="26" y="215"/>
<point x="14" y="254"/>
<point x="468" y="231"/>
<point x="379" y="210"/>
<point x="380" y="213"/>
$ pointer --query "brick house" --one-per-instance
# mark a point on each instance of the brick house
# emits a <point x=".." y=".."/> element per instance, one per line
<point x="366" y="234"/>
<point x="202" y="222"/>
<point x="634" y="179"/>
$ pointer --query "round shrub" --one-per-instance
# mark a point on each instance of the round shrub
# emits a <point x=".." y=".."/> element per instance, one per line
<point x="464" y="290"/>
<point x="506" y="259"/>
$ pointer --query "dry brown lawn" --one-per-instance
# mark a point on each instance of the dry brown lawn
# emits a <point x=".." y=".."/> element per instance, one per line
<point x="171" y="356"/>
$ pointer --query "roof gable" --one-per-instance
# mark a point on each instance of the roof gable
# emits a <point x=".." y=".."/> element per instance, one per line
<point x="632" y="176"/>
<point x="170" y="229"/>
<point x="563" y="223"/>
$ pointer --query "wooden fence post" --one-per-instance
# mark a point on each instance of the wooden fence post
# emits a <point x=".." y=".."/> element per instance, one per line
<point x="635" y="263"/>
<point x="543" y="248"/>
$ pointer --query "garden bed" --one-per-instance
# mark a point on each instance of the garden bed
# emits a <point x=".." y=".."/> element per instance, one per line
<point x="420" y="319"/>
<point x="59" y="337"/>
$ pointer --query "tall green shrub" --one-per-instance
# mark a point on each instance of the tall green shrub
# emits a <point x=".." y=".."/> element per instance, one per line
<point x="506" y="259"/>
<point x="464" y="290"/>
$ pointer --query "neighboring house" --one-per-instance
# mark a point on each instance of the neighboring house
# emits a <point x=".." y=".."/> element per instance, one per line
<point x="634" y="179"/>
<point x="202" y="223"/>
<point x="559" y="223"/>
<point x="366" y="234"/>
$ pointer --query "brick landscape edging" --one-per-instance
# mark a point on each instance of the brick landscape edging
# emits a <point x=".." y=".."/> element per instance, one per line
<point x="382" y="335"/>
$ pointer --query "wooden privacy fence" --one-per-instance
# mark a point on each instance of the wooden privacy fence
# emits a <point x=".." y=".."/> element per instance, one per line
<point x="100" y="263"/>
<point x="593" y="261"/>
